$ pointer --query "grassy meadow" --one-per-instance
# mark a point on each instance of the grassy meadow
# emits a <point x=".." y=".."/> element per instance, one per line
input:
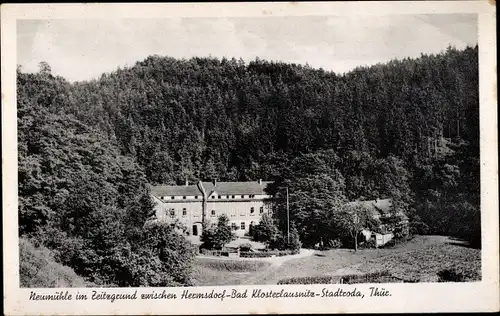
<point x="417" y="260"/>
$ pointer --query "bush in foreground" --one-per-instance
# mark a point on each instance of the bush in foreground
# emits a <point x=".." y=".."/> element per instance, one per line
<point x="246" y="247"/>
<point x="377" y="277"/>
<point x="457" y="275"/>
<point x="37" y="268"/>
<point x="214" y="237"/>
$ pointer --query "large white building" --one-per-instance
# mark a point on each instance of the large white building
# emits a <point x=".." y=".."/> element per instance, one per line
<point x="243" y="202"/>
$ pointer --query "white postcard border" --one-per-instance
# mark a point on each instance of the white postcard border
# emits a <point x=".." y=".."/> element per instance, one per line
<point x="422" y="297"/>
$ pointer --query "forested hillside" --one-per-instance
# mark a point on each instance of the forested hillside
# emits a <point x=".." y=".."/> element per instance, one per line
<point x="84" y="201"/>
<point x="408" y="129"/>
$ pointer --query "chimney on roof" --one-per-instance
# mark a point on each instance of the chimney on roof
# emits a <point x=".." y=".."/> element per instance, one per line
<point x="260" y="181"/>
<point x="214" y="182"/>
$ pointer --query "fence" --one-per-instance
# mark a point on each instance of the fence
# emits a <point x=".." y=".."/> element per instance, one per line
<point x="226" y="252"/>
<point x="235" y="252"/>
<point x="268" y="254"/>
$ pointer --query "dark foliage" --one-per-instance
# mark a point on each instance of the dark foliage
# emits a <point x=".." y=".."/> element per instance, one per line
<point x="215" y="236"/>
<point x="83" y="200"/>
<point x="457" y="275"/>
<point x="407" y="130"/>
<point x="246" y="247"/>
<point x="376" y="277"/>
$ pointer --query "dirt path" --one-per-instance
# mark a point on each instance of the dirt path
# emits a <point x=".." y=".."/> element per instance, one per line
<point x="262" y="276"/>
<point x="278" y="261"/>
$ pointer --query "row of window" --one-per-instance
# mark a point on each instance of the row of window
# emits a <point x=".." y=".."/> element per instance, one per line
<point x="184" y="212"/>
<point x="242" y="225"/>
<point x="252" y="211"/>
<point x="184" y="197"/>
<point x="250" y="196"/>
<point x="212" y="213"/>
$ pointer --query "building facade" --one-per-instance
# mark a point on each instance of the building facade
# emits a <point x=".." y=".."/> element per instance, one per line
<point x="382" y="210"/>
<point x="244" y="203"/>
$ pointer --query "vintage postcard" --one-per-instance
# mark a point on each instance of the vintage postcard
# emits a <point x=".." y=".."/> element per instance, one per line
<point x="249" y="158"/>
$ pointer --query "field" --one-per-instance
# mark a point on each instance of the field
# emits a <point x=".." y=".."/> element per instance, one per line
<point x="417" y="260"/>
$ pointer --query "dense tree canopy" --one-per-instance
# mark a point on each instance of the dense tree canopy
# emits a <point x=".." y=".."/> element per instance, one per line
<point x="407" y="130"/>
<point x="80" y="197"/>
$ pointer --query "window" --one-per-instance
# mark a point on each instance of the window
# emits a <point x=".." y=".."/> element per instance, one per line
<point x="184" y="212"/>
<point x="242" y="226"/>
<point x="213" y="213"/>
<point x="227" y="196"/>
<point x="220" y="196"/>
<point x="196" y="196"/>
<point x="183" y="197"/>
<point x="172" y="197"/>
<point x="261" y="209"/>
<point x="251" y="196"/>
<point x="242" y="196"/>
<point x="233" y="226"/>
<point x="232" y="196"/>
<point x="252" y="210"/>
<point x="213" y="196"/>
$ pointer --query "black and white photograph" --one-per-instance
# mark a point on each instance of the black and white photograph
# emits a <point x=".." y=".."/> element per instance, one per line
<point x="211" y="152"/>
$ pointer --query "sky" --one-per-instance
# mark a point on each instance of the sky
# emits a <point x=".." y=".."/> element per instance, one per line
<point x="79" y="49"/>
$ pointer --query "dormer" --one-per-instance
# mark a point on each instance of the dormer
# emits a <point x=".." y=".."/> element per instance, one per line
<point x="213" y="195"/>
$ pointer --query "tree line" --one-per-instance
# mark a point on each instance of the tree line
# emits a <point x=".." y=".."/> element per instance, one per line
<point x="406" y="130"/>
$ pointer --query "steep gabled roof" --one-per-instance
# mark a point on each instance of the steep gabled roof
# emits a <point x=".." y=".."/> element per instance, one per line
<point x="222" y="188"/>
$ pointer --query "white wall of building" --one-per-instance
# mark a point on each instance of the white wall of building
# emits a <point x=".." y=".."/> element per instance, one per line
<point x="189" y="211"/>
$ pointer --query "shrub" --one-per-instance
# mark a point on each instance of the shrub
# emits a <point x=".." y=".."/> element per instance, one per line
<point x="391" y="243"/>
<point x="450" y="275"/>
<point x="376" y="277"/>
<point x="333" y="244"/>
<point x="311" y="280"/>
<point x="246" y="247"/>
<point x="266" y="230"/>
<point x="174" y="253"/>
<point x="419" y="228"/>
<point x="216" y="236"/>
<point x="372" y="243"/>
<point x="294" y="242"/>
<point x="278" y="242"/>
<point x="457" y="275"/>
<point x="37" y="268"/>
